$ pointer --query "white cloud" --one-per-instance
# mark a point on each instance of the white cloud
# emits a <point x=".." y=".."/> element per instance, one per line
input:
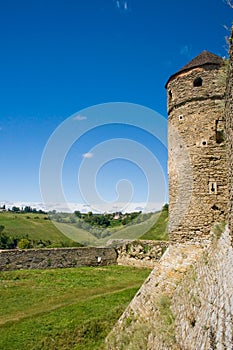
<point x="185" y="50"/>
<point x="80" y="117"/>
<point x="100" y="208"/>
<point x="122" y="5"/>
<point x="88" y="155"/>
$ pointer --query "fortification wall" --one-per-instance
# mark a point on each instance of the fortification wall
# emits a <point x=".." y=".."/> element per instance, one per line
<point x="56" y="258"/>
<point x="185" y="303"/>
<point x="229" y="134"/>
<point x="129" y="253"/>
<point x="197" y="153"/>
<point x="203" y="303"/>
<point x="148" y="323"/>
<point x="141" y="253"/>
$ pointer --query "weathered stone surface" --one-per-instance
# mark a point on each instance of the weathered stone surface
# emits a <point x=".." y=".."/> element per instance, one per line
<point x="197" y="153"/>
<point x="187" y="301"/>
<point x="202" y="303"/>
<point x="229" y="135"/>
<point x="133" y="253"/>
<point x="56" y="258"/>
<point x="143" y="319"/>
<point x="141" y="253"/>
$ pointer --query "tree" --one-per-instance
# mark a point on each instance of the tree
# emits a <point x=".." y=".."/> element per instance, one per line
<point x="78" y="214"/>
<point x="15" y="209"/>
<point x="27" y="209"/>
<point x="25" y="243"/>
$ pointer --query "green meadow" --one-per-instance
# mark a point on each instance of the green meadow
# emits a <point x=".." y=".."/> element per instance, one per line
<point x="34" y="226"/>
<point x="64" y="308"/>
<point x="67" y="231"/>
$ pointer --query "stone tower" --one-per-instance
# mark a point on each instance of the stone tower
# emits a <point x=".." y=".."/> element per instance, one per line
<point x="196" y="141"/>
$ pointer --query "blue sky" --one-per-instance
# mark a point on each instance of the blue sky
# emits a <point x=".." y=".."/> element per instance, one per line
<point x="61" y="57"/>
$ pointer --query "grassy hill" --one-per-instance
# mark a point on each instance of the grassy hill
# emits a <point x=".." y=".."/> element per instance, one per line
<point x="67" y="231"/>
<point x="35" y="226"/>
<point x="159" y="230"/>
<point x="133" y="231"/>
<point x="76" y="313"/>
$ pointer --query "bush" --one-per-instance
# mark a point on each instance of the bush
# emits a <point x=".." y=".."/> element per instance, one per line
<point x="25" y="243"/>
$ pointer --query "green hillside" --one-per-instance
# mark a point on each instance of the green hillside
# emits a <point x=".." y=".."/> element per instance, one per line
<point x="159" y="230"/>
<point x="33" y="226"/>
<point x="68" y="230"/>
<point x="130" y="231"/>
<point x="77" y="234"/>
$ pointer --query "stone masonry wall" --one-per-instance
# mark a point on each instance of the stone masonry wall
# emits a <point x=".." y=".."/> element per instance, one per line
<point x="197" y="153"/>
<point x="187" y="301"/>
<point x="148" y="322"/>
<point x="229" y="134"/>
<point x="185" y="304"/>
<point x="56" y="258"/>
<point x="140" y="253"/>
<point x="203" y="303"/>
<point x="133" y="253"/>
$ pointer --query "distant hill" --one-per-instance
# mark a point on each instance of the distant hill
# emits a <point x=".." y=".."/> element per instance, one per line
<point x="97" y="236"/>
<point x="33" y="226"/>
<point x="70" y="230"/>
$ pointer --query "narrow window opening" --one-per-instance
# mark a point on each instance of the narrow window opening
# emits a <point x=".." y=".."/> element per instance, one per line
<point x="213" y="188"/>
<point x="197" y="82"/>
<point x="170" y="94"/>
<point x="219" y="131"/>
<point x="181" y="117"/>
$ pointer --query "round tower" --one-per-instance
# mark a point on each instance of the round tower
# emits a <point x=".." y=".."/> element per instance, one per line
<point x="197" y="158"/>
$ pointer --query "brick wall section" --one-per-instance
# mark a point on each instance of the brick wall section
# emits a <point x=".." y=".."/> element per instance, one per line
<point x="197" y="153"/>
<point x="229" y="134"/>
<point x="56" y="258"/>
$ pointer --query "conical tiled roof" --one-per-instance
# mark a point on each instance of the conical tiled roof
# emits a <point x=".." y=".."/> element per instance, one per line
<point x="205" y="57"/>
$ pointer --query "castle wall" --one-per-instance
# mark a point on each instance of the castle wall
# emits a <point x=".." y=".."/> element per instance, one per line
<point x="187" y="301"/>
<point x="203" y="303"/>
<point x="197" y="153"/>
<point x="229" y="133"/>
<point x="56" y="258"/>
<point x="148" y="323"/>
<point x="141" y="253"/>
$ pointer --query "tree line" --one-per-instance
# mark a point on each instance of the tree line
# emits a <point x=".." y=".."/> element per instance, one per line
<point x="23" y="210"/>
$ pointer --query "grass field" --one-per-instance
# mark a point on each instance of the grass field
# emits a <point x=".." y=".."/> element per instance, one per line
<point x="64" y="308"/>
<point x="37" y="226"/>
